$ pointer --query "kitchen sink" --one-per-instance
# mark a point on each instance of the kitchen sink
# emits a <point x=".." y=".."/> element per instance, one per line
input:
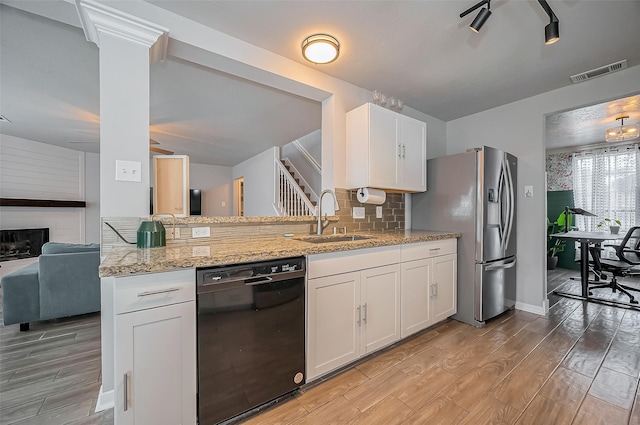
<point x="334" y="238"/>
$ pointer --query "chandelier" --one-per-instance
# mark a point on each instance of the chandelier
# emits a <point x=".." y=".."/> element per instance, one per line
<point x="624" y="132"/>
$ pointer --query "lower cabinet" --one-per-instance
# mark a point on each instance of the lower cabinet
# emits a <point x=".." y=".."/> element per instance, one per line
<point x="351" y="313"/>
<point x="429" y="284"/>
<point x="155" y="349"/>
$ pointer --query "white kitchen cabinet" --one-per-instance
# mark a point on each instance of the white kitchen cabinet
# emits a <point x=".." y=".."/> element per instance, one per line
<point x="385" y="150"/>
<point x="429" y="284"/>
<point x="155" y="349"/>
<point x="353" y="306"/>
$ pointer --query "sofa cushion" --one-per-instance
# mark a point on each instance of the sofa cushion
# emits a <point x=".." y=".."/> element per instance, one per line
<point x="20" y="297"/>
<point x="63" y="248"/>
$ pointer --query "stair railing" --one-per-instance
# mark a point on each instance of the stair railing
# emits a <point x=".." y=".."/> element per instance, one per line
<point x="290" y="199"/>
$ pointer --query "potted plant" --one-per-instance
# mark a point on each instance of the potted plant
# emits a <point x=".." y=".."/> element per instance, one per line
<point x="614" y="224"/>
<point x="552" y="253"/>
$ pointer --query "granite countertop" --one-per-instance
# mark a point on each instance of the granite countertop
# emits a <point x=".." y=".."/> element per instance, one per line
<point x="127" y="261"/>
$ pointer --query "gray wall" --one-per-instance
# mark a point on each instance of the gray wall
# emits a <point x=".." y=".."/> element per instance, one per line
<point x="258" y="173"/>
<point x="519" y="128"/>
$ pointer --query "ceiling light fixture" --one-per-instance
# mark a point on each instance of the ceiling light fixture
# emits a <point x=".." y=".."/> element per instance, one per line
<point x="481" y="17"/>
<point x="320" y="48"/>
<point x="551" y="31"/>
<point x="624" y="132"/>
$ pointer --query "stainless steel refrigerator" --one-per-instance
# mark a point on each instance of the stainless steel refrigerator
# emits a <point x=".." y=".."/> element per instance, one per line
<point x="474" y="194"/>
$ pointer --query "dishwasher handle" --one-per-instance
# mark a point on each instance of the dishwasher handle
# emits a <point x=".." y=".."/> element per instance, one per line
<point x="224" y="284"/>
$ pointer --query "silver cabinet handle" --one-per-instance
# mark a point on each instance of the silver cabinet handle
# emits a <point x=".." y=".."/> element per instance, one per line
<point x="359" y="315"/>
<point x="160" y="291"/>
<point x="404" y="151"/>
<point x="434" y="249"/>
<point x="126" y="391"/>
<point x="399" y="151"/>
<point x="364" y="314"/>
<point x="434" y="289"/>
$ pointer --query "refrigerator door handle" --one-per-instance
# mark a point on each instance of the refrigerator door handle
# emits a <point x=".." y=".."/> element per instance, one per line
<point x="501" y="265"/>
<point x="503" y="222"/>
<point x="511" y="195"/>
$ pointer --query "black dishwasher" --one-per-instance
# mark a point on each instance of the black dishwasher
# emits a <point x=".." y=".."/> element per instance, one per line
<point x="251" y="336"/>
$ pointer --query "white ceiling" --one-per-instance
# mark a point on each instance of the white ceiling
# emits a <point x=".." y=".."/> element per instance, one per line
<point x="418" y="51"/>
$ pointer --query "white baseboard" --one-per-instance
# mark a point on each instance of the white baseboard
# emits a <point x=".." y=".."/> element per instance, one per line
<point x="531" y="308"/>
<point x="105" y="400"/>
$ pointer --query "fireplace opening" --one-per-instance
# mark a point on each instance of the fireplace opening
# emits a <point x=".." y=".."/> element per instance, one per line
<point x="22" y="243"/>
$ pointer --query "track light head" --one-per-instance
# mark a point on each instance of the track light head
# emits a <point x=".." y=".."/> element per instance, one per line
<point x="481" y="18"/>
<point x="551" y="33"/>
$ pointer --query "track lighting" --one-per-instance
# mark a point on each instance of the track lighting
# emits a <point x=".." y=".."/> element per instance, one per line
<point x="482" y="16"/>
<point x="551" y="31"/>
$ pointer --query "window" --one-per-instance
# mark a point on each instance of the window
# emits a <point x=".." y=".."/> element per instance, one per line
<point x="605" y="183"/>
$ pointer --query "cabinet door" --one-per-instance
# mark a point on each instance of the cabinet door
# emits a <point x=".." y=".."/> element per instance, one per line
<point x="333" y="327"/>
<point x="155" y="366"/>
<point x="416" y="296"/>
<point x="444" y="289"/>
<point x="413" y="138"/>
<point x="384" y="150"/>
<point x="380" y="307"/>
<point x="171" y="185"/>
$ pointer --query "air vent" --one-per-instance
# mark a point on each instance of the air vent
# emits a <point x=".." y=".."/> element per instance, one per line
<point x="3" y="119"/>
<point x="584" y="76"/>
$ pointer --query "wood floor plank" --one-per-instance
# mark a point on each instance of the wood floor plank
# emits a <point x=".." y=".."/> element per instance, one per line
<point x="470" y="390"/>
<point x="379" y="363"/>
<point x="519" y="388"/>
<point x="542" y="410"/>
<point x="20" y="412"/>
<point x="422" y="361"/>
<point x="321" y="394"/>
<point x="597" y="412"/>
<point x="440" y="411"/>
<point x="542" y="360"/>
<point x="425" y="387"/>
<point x="389" y="411"/>
<point x="635" y="413"/>
<point x="337" y="412"/>
<point x="64" y="415"/>
<point x="567" y="388"/>
<point x="278" y="415"/>
<point x="587" y="355"/>
<point x="491" y="412"/>
<point x="615" y="388"/>
<point x="71" y="396"/>
<point x="623" y="361"/>
<point x="365" y="395"/>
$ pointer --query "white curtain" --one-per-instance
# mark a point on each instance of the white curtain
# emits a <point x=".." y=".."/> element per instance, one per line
<point x="605" y="183"/>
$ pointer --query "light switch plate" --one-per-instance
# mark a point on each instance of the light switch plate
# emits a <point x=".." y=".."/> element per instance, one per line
<point x="128" y="171"/>
<point x="378" y="212"/>
<point x="528" y="191"/>
<point x="170" y="233"/>
<point x="358" y="212"/>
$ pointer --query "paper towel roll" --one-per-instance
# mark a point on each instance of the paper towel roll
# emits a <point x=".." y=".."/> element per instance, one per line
<point x="366" y="195"/>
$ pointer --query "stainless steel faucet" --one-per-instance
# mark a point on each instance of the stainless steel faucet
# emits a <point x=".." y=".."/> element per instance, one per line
<point x="322" y="225"/>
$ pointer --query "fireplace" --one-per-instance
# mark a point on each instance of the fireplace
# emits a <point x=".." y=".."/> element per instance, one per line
<point x="22" y="243"/>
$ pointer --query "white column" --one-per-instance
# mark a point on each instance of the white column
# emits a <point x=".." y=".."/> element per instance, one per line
<point x="127" y="46"/>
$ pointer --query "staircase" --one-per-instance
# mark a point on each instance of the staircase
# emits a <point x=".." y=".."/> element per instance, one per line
<point x="292" y="198"/>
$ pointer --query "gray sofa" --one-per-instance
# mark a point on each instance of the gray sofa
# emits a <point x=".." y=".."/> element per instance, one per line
<point x="64" y="282"/>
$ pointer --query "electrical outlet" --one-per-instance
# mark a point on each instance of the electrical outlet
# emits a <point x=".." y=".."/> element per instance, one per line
<point x="200" y="232"/>
<point x="201" y="251"/>
<point x="358" y="212"/>
<point x="224" y="204"/>
<point x="378" y="212"/>
<point x="170" y="234"/>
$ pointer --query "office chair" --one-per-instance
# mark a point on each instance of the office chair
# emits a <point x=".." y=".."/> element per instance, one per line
<point x="628" y="254"/>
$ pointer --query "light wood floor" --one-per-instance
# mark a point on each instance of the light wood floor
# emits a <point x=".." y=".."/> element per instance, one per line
<point x="579" y="365"/>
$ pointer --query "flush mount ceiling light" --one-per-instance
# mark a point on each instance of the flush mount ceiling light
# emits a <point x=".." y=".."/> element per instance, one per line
<point x="551" y="31"/>
<point x="624" y="132"/>
<point x="320" y="48"/>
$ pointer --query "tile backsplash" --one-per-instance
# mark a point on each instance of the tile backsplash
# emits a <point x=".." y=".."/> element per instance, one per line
<point x="392" y="213"/>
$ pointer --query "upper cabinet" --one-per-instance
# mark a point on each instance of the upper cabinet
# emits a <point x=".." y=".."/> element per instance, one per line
<point x="171" y="185"/>
<point x="385" y="150"/>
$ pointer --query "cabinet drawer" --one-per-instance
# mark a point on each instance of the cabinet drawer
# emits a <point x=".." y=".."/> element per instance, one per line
<point x="419" y="251"/>
<point x="133" y="293"/>
<point x="347" y="261"/>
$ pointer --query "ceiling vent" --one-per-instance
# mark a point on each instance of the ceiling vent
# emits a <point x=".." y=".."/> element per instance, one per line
<point x="607" y="69"/>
